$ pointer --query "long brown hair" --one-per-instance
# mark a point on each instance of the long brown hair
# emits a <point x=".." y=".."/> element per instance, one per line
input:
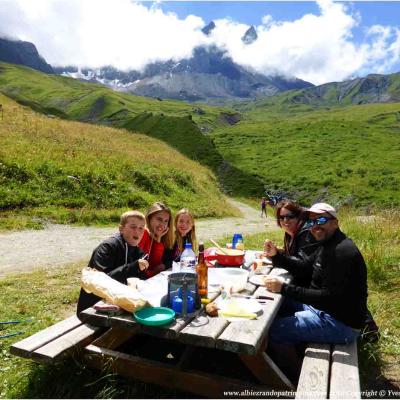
<point x="167" y="239"/>
<point x="296" y="210"/>
<point x="192" y="232"/>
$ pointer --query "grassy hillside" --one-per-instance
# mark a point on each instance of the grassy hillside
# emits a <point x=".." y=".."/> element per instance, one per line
<point x="347" y="155"/>
<point x="75" y="172"/>
<point x="178" y="124"/>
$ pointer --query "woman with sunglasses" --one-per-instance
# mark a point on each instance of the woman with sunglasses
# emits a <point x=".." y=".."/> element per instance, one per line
<point x="297" y="240"/>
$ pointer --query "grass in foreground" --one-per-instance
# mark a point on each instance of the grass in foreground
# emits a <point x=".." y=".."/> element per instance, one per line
<point x="50" y="295"/>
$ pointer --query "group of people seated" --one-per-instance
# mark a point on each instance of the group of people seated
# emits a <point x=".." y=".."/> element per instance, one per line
<point x="326" y="302"/>
<point x="144" y="246"/>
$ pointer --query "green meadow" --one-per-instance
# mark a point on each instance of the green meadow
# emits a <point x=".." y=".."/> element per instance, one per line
<point x="180" y="125"/>
<point x="346" y="155"/>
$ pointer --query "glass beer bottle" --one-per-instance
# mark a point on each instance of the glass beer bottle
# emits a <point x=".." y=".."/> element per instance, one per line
<point x="202" y="273"/>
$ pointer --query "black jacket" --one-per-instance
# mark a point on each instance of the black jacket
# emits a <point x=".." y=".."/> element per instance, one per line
<point x="303" y="244"/>
<point x="338" y="279"/>
<point x="117" y="259"/>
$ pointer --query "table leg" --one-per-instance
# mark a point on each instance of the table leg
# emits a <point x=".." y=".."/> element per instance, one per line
<point x="266" y="371"/>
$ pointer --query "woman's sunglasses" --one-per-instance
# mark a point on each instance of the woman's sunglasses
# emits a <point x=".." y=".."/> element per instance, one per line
<point x="287" y="216"/>
<point x="318" y="221"/>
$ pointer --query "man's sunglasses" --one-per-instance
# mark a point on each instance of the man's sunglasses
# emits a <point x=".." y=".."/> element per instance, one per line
<point x="318" y="221"/>
<point x="287" y="216"/>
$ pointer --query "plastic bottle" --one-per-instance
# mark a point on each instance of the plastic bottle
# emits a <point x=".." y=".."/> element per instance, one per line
<point x="188" y="259"/>
<point x="237" y="241"/>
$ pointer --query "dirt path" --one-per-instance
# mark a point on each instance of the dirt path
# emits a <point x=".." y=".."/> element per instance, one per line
<point x="63" y="244"/>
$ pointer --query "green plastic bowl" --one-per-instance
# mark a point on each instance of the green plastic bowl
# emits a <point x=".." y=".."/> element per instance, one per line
<point x="154" y="316"/>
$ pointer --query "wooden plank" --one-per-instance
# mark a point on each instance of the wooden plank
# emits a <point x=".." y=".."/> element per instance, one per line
<point x="200" y="383"/>
<point x="203" y="331"/>
<point x="25" y="347"/>
<point x="266" y="371"/>
<point x="345" y="379"/>
<point x="65" y="344"/>
<point x="170" y="331"/>
<point x="247" y="336"/>
<point x="314" y="376"/>
<point x="114" y="337"/>
<point x="91" y="316"/>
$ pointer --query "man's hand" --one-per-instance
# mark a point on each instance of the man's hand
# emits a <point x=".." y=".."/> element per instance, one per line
<point x="273" y="284"/>
<point x="143" y="264"/>
<point x="269" y="248"/>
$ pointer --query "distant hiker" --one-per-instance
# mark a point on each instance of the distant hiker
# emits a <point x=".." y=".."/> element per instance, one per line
<point x="333" y="307"/>
<point x="119" y="256"/>
<point x="264" y="207"/>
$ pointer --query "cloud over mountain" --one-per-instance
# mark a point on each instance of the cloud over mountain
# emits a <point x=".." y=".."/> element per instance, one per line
<point x="129" y="35"/>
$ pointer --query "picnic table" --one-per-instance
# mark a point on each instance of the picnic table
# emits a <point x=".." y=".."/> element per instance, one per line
<point x="193" y="334"/>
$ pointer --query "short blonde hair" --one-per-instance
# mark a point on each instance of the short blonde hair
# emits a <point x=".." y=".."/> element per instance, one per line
<point x="131" y="214"/>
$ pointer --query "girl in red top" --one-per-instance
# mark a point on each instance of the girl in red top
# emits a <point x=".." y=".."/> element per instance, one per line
<point x="157" y="238"/>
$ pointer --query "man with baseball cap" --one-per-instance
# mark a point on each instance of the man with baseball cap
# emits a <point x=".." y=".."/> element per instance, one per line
<point x="332" y="308"/>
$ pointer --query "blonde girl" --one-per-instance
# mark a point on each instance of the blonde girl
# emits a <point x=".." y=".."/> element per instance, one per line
<point x="185" y="232"/>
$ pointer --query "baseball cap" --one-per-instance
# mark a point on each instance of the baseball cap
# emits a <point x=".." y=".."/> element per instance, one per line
<point x="320" y="208"/>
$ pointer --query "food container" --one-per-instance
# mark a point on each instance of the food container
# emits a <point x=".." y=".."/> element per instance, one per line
<point x="232" y="257"/>
<point x="235" y="278"/>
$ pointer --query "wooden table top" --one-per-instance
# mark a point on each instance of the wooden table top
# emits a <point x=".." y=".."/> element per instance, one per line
<point x="243" y="337"/>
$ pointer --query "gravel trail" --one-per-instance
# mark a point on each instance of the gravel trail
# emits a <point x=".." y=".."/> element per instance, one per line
<point x="63" y="244"/>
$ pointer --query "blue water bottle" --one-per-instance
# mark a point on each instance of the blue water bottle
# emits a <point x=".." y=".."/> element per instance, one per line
<point x="237" y="239"/>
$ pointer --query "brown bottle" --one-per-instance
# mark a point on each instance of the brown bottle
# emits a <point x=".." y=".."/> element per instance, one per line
<point x="202" y="273"/>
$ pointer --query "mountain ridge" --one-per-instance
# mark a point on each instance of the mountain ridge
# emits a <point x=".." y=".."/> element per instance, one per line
<point x="23" y="53"/>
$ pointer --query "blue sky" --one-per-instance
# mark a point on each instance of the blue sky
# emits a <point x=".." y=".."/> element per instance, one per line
<point x="318" y="41"/>
<point x="251" y="12"/>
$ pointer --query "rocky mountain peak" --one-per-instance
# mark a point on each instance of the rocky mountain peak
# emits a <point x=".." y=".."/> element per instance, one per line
<point x="23" y="53"/>
<point x="250" y="36"/>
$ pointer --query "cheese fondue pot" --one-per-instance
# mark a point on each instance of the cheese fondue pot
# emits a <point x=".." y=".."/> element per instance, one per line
<point x="232" y="257"/>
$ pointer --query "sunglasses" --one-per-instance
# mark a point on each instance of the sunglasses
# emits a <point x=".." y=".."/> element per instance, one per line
<point x="287" y="216"/>
<point x="318" y="221"/>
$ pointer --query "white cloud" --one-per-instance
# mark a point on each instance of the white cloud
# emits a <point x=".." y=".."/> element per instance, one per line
<point x="100" y="32"/>
<point x="316" y="47"/>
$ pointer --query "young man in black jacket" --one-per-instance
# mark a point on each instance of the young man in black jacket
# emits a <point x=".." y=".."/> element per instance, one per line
<point x="119" y="256"/>
<point x="332" y="308"/>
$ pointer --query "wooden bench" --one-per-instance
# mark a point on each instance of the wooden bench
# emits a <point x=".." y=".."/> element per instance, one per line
<point x="52" y="344"/>
<point x="329" y="372"/>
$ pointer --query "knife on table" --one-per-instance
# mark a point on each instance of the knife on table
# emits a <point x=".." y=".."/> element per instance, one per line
<point x="244" y="296"/>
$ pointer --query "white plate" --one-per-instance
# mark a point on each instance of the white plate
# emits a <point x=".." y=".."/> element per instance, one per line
<point x="263" y="270"/>
<point x="257" y="280"/>
<point x="247" y="306"/>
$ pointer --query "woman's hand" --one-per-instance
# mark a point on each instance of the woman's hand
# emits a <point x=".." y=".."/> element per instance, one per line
<point x="143" y="264"/>
<point x="270" y="249"/>
<point x="158" y="236"/>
